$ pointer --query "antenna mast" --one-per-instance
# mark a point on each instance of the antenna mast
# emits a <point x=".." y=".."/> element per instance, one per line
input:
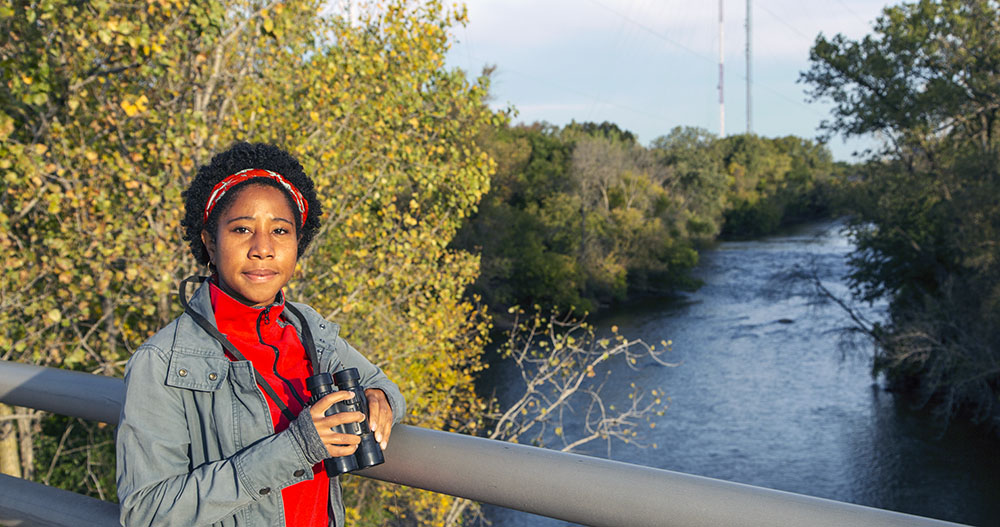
<point x="722" y="103"/>
<point x="749" y="98"/>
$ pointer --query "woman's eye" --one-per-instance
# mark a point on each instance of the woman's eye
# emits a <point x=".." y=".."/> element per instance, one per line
<point x="241" y="230"/>
<point x="281" y="230"/>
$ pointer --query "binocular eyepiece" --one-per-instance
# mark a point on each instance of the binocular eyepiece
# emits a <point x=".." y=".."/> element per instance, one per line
<point x="369" y="453"/>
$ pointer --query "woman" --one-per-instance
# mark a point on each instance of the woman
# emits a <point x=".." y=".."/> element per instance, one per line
<point x="216" y="428"/>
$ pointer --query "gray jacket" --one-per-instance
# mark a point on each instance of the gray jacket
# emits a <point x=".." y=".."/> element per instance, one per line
<point x="195" y="443"/>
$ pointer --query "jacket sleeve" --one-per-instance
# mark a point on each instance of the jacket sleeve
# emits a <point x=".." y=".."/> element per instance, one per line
<point x="157" y="484"/>
<point x="371" y="376"/>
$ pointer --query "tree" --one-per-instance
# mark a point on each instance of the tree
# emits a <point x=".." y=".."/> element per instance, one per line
<point x="109" y="109"/>
<point x="927" y="218"/>
<point x="756" y="172"/>
<point x="926" y="75"/>
<point x="694" y="155"/>
<point x="559" y="400"/>
<point x="584" y="216"/>
<point x="526" y="228"/>
<point x="605" y="130"/>
<point x="101" y="122"/>
<point x="812" y="181"/>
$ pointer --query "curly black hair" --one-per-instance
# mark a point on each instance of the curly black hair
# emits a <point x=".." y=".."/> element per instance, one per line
<point x="241" y="156"/>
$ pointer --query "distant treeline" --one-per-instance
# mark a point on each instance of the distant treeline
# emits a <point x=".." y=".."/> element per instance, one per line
<point x="584" y="216"/>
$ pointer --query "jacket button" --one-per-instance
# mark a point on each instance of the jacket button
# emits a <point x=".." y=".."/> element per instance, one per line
<point x="322" y="326"/>
<point x="298" y="473"/>
<point x="265" y="491"/>
<point x="182" y="372"/>
<point x="212" y="376"/>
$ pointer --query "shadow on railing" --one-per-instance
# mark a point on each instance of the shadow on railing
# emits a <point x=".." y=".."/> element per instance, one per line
<point x="570" y="487"/>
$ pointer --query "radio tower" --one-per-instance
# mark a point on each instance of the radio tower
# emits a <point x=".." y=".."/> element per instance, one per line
<point x="749" y="99"/>
<point x="722" y="103"/>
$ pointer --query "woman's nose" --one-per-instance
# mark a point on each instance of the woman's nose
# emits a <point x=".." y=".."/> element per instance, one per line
<point x="261" y="246"/>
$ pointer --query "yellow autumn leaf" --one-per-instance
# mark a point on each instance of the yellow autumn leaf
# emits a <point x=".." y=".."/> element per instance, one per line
<point x="130" y="109"/>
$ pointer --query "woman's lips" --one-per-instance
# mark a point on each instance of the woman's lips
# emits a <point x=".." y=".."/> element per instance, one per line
<point x="260" y="275"/>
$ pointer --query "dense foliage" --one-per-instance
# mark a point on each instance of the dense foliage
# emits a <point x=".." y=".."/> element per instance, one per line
<point x="109" y="107"/>
<point x="584" y="216"/>
<point x="928" y="218"/>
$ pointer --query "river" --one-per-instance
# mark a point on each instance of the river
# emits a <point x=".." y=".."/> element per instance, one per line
<point x="767" y="394"/>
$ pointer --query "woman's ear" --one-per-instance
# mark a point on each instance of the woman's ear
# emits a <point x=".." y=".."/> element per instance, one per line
<point x="209" y="242"/>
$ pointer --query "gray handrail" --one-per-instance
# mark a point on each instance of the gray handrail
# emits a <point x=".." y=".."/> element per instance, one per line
<point x="575" y="488"/>
<point x="64" y="392"/>
<point x="26" y="503"/>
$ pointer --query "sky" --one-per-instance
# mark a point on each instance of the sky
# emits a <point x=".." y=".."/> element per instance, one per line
<point x="651" y="65"/>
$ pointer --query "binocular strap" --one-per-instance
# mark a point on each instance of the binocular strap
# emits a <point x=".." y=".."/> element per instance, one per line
<point x="211" y="330"/>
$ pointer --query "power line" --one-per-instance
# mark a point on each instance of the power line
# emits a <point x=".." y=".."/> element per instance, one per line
<point x="646" y="113"/>
<point x="786" y="24"/>
<point x="592" y="97"/>
<point x="655" y="33"/>
<point x="851" y="11"/>
<point x="697" y="54"/>
<point x="616" y="42"/>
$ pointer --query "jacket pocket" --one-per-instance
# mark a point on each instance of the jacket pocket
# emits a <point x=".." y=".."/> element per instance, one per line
<point x="195" y="371"/>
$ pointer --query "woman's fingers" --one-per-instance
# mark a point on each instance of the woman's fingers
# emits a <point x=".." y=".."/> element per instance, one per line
<point x="379" y="416"/>
<point x="337" y="444"/>
<point x="319" y="409"/>
<point x="341" y="444"/>
<point x="337" y="419"/>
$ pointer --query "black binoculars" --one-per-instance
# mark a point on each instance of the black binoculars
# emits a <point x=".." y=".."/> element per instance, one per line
<point x="369" y="453"/>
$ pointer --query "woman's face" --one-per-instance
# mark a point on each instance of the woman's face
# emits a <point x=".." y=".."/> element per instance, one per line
<point x="255" y="246"/>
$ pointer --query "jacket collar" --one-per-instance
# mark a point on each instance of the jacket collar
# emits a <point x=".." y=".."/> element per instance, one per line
<point x="234" y="315"/>
<point x="189" y="336"/>
<point x="192" y="338"/>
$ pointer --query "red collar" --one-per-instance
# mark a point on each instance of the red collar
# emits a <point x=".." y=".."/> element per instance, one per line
<point x="235" y="315"/>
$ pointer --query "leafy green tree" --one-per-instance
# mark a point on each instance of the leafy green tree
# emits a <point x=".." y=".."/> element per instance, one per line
<point x="756" y="172"/>
<point x="577" y="218"/>
<point x="109" y="107"/>
<point x="604" y="130"/>
<point x="526" y="227"/>
<point x="928" y="220"/>
<point x="812" y="183"/>
<point x="584" y="216"/>
<point x="102" y="119"/>
<point x="637" y="244"/>
<point x="695" y="157"/>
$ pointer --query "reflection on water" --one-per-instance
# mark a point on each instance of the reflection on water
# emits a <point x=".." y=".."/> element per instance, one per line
<point x="767" y="395"/>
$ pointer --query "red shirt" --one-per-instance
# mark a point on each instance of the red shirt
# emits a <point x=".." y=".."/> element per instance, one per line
<point x="271" y="343"/>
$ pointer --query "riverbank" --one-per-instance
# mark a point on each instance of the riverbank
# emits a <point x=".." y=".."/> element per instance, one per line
<point x="767" y="393"/>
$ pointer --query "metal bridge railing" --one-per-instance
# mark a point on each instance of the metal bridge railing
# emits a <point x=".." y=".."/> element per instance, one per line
<point x="570" y="487"/>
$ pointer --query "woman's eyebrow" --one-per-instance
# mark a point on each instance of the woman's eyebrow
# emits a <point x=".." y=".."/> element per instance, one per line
<point x="251" y="218"/>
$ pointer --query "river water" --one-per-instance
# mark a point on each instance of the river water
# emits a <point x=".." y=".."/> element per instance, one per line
<point x="766" y="393"/>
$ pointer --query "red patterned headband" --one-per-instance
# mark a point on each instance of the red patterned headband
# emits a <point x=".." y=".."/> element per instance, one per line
<point x="223" y="186"/>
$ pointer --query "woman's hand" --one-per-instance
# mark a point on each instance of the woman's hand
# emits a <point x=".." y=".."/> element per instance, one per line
<point x="337" y="444"/>
<point x="379" y="416"/>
